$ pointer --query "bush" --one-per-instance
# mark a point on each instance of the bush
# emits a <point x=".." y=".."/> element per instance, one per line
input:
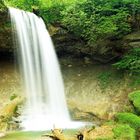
<point x="23" y="4"/>
<point x="49" y="10"/>
<point x="130" y="61"/>
<point x="52" y="14"/>
<point x="124" y="132"/>
<point x="2" y="6"/>
<point x="134" y="97"/>
<point x="129" y="118"/>
<point x="97" y="19"/>
<point x="13" y="97"/>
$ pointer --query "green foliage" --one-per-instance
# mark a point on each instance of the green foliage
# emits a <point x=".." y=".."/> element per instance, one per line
<point x="41" y="4"/>
<point x="24" y="4"/>
<point x="129" y="118"/>
<point x="134" y="97"/>
<point x="104" y="79"/>
<point x="2" y="6"/>
<point x="17" y="4"/>
<point x="124" y="132"/>
<point x="52" y="14"/>
<point x="13" y="97"/>
<point x="49" y="3"/>
<point x="89" y="19"/>
<point x="135" y="80"/>
<point x="96" y="19"/>
<point x="49" y="10"/>
<point x="130" y="61"/>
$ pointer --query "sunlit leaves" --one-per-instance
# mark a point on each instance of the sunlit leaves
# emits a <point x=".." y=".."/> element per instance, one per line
<point x="96" y="19"/>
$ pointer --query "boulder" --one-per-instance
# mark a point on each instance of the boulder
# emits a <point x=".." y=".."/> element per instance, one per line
<point x="134" y="97"/>
<point x="110" y="132"/>
<point x="135" y="36"/>
<point x="8" y="112"/>
<point x="129" y="118"/>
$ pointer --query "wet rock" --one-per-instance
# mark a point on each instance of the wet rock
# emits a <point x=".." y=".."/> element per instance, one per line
<point x="134" y="98"/>
<point x="104" y="131"/>
<point x="104" y="50"/>
<point x="69" y="66"/>
<point x="8" y="112"/>
<point x="97" y="111"/>
<point x="132" y="40"/>
<point x="87" y="60"/>
<point x="134" y="44"/>
<point x="135" y="36"/>
<point x="65" y="43"/>
<point x="68" y="44"/>
<point x="2" y="134"/>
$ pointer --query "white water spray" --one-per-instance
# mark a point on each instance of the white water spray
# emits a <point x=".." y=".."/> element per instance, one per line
<point x="46" y="105"/>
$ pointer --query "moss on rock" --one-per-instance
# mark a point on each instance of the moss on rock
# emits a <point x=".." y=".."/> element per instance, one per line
<point x="124" y="132"/>
<point x="112" y="131"/>
<point x="129" y="118"/>
<point x="134" y="97"/>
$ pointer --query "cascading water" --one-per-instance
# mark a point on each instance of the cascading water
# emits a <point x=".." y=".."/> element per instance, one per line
<point x="46" y="105"/>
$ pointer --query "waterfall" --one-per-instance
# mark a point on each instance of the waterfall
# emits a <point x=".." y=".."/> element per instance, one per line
<point x="46" y="105"/>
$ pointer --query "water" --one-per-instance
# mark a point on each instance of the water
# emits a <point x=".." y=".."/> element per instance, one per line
<point x="45" y="104"/>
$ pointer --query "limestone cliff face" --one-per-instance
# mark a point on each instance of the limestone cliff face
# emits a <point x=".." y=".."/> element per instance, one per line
<point x="132" y="40"/>
<point x="103" y="51"/>
<point x="66" y="43"/>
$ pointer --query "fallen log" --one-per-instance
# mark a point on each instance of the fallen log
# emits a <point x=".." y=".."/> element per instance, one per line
<point x="57" y="134"/>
